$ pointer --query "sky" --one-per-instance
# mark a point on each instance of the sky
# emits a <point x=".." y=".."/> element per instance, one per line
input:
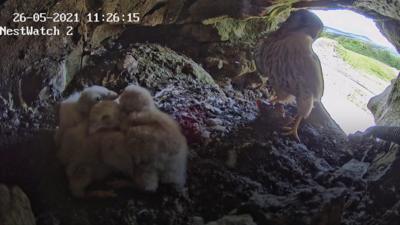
<point x="351" y="22"/>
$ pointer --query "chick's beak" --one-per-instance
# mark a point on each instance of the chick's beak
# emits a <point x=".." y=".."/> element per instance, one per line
<point x="112" y="95"/>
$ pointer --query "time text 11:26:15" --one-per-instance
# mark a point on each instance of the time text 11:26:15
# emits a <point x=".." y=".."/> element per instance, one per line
<point x="75" y="17"/>
<point x="113" y="17"/>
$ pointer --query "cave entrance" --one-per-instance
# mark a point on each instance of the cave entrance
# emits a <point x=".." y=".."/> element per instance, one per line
<point x="358" y="62"/>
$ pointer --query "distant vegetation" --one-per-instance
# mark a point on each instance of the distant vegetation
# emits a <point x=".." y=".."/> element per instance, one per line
<point x="366" y="64"/>
<point x="366" y="49"/>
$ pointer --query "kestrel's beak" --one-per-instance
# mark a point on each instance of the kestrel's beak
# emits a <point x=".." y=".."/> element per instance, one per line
<point x="117" y="100"/>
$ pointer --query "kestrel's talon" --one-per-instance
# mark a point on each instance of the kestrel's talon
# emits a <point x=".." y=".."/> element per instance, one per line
<point x="101" y="194"/>
<point x="274" y="100"/>
<point x="280" y="108"/>
<point x="287" y="128"/>
<point x="292" y="132"/>
<point x="289" y="122"/>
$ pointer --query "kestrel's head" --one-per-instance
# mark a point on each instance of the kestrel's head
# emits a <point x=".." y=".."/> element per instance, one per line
<point x="104" y="115"/>
<point x="136" y="99"/>
<point x="303" y="20"/>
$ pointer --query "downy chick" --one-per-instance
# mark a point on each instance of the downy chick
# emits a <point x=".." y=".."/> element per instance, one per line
<point x="79" y="153"/>
<point x="76" y="108"/>
<point x="104" y="125"/>
<point x="82" y="147"/>
<point x="155" y="141"/>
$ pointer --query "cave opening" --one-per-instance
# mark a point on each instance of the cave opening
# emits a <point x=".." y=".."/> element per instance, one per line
<point x="358" y="62"/>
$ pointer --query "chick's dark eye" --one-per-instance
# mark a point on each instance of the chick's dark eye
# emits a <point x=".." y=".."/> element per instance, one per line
<point x="98" y="98"/>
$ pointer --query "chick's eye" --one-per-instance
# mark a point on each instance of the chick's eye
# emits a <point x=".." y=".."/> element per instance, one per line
<point x="98" y="98"/>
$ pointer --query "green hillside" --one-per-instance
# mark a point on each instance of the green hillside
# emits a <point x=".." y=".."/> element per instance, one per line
<point x="366" y="64"/>
<point x="366" y="49"/>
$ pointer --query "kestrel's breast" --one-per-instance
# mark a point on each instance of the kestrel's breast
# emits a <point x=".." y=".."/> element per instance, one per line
<point x="290" y="64"/>
<point x="273" y="59"/>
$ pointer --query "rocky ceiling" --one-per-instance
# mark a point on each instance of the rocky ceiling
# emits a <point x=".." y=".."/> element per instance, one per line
<point x="48" y="57"/>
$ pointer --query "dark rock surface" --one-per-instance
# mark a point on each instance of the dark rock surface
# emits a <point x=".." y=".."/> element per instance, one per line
<point x="385" y="106"/>
<point x="15" y="208"/>
<point x="240" y="167"/>
<point x="33" y="65"/>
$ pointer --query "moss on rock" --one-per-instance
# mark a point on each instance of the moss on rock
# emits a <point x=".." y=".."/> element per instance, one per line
<point x="250" y="29"/>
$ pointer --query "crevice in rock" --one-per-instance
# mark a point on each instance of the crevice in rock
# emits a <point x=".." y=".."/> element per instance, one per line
<point x="155" y="8"/>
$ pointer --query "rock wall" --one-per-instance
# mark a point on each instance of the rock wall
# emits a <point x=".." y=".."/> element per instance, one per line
<point x="215" y="33"/>
<point x="15" y="208"/>
<point x="241" y="170"/>
<point x="385" y="107"/>
<point x="391" y="29"/>
<point x="34" y="64"/>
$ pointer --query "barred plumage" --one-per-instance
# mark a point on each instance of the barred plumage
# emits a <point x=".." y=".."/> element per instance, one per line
<point x="293" y="69"/>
